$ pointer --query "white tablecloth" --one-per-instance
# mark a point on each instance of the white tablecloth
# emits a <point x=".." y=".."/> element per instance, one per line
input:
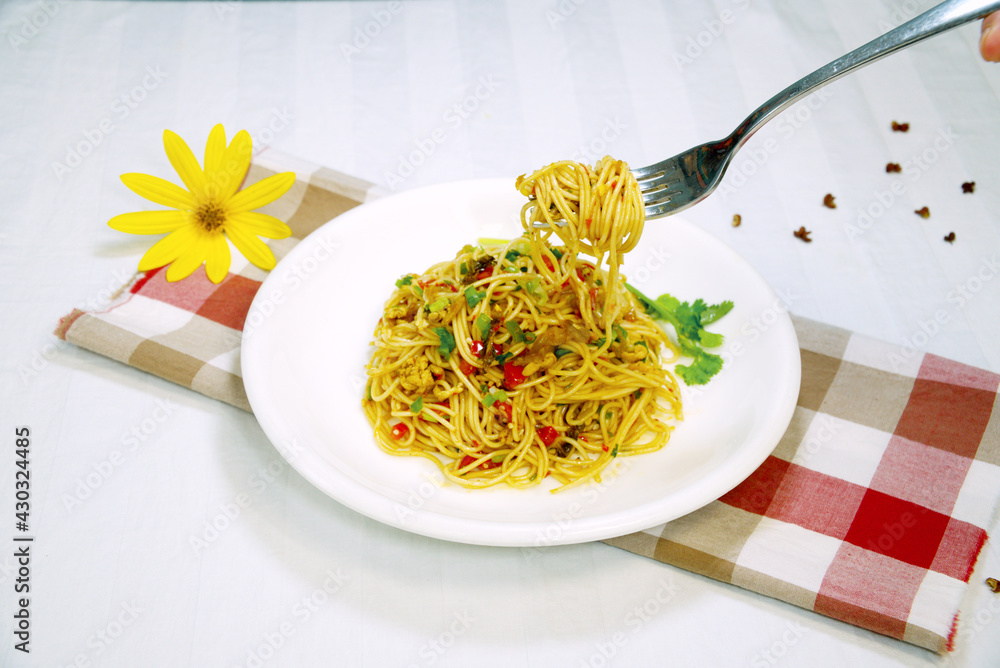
<point x="169" y="532"/>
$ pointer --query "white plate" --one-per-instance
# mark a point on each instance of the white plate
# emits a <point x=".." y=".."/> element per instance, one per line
<point x="307" y="339"/>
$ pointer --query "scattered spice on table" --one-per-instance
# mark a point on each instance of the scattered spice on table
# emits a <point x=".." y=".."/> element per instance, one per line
<point x="923" y="213"/>
<point x="893" y="167"/>
<point x="950" y="238"/>
<point x="803" y="233"/>
<point x="900" y="127"/>
<point x="993" y="584"/>
<point x="828" y="201"/>
<point x="737" y="219"/>
<point x="969" y="186"/>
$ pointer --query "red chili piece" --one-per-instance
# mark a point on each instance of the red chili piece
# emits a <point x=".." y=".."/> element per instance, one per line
<point x="513" y="375"/>
<point x="548" y="434"/>
<point x="506" y="408"/>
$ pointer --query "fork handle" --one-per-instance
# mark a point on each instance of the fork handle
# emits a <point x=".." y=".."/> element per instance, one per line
<point x="936" y="20"/>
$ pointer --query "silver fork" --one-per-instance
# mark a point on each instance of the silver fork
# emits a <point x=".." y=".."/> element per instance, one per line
<point x="689" y="177"/>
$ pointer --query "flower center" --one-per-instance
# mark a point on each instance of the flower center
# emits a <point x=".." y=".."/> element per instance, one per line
<point x="210" y="216"/>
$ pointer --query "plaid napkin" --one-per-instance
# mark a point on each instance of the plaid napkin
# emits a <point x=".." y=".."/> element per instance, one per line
<point x="871" y="510"/>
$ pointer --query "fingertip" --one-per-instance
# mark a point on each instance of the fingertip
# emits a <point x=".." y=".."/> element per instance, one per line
<point x="989" y="40"/>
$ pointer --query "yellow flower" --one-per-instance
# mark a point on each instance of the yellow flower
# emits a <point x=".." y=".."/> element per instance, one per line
<point x="212" y="208"/>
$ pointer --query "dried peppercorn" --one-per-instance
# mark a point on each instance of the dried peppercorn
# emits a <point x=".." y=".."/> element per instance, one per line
<point x="969" y="186"/>
<point x="950" y="238"/>
<point x="923" y="213"/>
<point x="893" y="167"/>
<point x="993" y="584"/>
<point x="828" y="201"/>
<point x="900" y="127"/>
<point x="803" y="233"/>
<point x="737" y="219"/>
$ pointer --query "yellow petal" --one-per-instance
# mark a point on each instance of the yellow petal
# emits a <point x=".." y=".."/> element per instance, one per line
<point x="228" y="176"/>
<point x="188" y="262"/>
<point x="252" y="248"/>
<point x="259" y="224"/>
<point x="261" y="193"/>
<point x="159" y="190"/>
<point x="168" y="249"/>
<point x="217" y="258"/>
<point x="149" y="222"/>
<point x="215" y="149"/>
<point x="184" y="162"/>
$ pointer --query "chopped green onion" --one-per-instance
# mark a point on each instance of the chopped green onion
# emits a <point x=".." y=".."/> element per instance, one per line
<point x="463" y="268"/>
<point x="620" y="332"/>
<point x="405" y="280"/>
<point x="561" y="352"/>
<point x="491" y="399"/>
<point x="447" y="340"/>
<point x="516" y="331"/>
<point x="439" y="305"/>
<point x="417" y="405"/>
<point x="473" y="296"/>
<point x="484" y="324"/>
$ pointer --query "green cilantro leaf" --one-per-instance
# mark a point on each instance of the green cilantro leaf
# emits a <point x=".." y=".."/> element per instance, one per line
<point x="473" y="296"/>
<point x="688" y="321"/>
<point x="447" y="340"/>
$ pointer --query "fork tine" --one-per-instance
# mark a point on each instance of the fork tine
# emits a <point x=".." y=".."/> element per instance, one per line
<point x="664" y="195"/>
<point x="659" y="209"/>
<point x="641" y="173"/>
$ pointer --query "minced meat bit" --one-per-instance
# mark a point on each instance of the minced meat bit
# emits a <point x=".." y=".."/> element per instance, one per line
<point x="416" y="375"/>
<point x="737" y="219"/>
<point x="950" y="238"/>
<point x="969" y="186"/>
<point x="893" y="167"/>
<point x="923" y="213"/>
<point x="803" y="233"/>
<point x="900" y="127"/>
<point x="828" y="202"/>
